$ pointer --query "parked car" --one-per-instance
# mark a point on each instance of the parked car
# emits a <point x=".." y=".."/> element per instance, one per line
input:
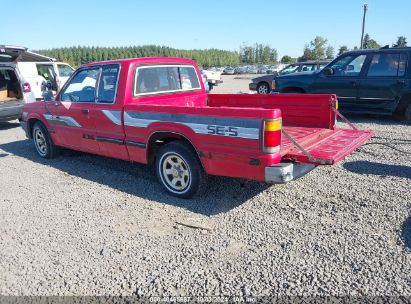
<point x="205" y="81"/>
<point x="263" y="84"/>
<point x="35" y="72"/>
<point x="273" y="69"/>
<point x="307" y="66"/>
<point x="146" y="114"/>
<point x="240" y="70"/>
<point x="229" y="71"/>
<point x="252" y="70"/>
<point x="262" y="70"/>
<point x="14" y="89"/>
<point x="376" y="81"/>
<point x="213" y="77"/>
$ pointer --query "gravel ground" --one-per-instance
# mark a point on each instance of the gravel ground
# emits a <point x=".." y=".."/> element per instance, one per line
<point x="87" y="225"/>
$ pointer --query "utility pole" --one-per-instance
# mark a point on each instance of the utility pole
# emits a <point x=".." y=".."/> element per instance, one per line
<point x="363" y="25"/>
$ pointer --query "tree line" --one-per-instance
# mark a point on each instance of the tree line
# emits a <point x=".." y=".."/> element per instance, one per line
<point x="257" y="53"/>
<point x="78" y="55"/>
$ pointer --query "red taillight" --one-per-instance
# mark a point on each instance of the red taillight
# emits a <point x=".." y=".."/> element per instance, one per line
<point x="26" y="87"/>
<point x="272" y="135"/>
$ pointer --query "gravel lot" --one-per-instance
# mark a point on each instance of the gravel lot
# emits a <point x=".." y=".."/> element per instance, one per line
<point x="87" y="225"/>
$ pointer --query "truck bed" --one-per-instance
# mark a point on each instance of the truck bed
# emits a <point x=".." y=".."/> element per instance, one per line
<point x="309" y="120"/>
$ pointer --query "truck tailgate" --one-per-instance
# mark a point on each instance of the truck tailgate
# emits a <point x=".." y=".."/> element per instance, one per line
<point x="322" y="146"/>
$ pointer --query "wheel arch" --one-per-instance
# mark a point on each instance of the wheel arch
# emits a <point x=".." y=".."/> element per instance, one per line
<point x="263" y="82"/>
<point x="159" y="138"/>
<point x="30" y="124"/>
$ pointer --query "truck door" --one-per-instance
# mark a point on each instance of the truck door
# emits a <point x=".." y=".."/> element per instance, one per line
<point x="344" y="82"/>
<point x="107" y="114"/>
<point x="382" y="86"/>
<point x="70" y="114"/>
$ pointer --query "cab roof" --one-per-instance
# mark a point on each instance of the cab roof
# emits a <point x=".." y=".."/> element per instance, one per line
<point x="143" y="60"/>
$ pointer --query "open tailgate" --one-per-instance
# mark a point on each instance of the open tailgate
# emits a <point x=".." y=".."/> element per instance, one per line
<point x="320" y="146"/>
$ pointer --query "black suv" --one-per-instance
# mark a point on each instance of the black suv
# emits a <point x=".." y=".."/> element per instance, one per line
<point x="376" y="81"/>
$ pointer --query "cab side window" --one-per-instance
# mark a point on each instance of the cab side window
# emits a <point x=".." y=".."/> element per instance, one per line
<point x="107" y="88"/>
<point x="390" y="65"/>
<point x="82" y="87"/>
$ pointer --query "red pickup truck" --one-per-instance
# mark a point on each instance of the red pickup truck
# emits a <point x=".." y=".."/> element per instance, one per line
<point x="156" y="111"/>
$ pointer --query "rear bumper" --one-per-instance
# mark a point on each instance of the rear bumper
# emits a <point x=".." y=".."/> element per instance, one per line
<point x="285" y="172"/>
<point x="252" y="86"/>
<point x="10" y="111"/>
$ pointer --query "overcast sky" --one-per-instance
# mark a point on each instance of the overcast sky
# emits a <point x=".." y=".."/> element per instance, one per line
<point x="223" y="24"/>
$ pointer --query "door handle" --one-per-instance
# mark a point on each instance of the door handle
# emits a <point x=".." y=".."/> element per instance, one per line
<point x="85" y="111"/>
<point x="401" y="81"/>
<point x="353" y="82"/>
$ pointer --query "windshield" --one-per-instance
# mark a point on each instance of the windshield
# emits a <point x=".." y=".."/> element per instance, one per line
<point x="65" y="70"/>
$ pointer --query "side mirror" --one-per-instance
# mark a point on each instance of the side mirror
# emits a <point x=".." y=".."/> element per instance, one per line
<point x="328" y="71"/>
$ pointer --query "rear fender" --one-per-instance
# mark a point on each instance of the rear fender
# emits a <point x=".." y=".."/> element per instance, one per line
<point x="159" y="138"/>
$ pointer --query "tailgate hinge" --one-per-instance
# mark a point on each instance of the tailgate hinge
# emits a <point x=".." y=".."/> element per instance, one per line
<point x="334" y="108"/>
<point x="306" y="153"/>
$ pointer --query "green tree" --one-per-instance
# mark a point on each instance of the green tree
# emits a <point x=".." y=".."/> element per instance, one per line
<point x="286" y="59"/>
<point x="401" y="42"/>
<point x="307" y="54"/>
<point x="318" y="47"/>
<point x="342" y="49"/>
<point x="369" y="43"/>
<point x="329" y="52"/>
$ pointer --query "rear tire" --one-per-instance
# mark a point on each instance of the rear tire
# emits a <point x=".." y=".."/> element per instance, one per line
<point x="179" y="170"/>
<point x="42" y="141"/>
<point x="263" y="88"/>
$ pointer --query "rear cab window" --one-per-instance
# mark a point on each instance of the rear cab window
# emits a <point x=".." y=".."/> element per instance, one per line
<point x="162" y="79"/>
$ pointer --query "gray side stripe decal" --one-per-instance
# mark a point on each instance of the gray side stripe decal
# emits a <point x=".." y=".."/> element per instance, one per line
<point x="234" y="127"/>
<point x="207" y="120"/>
<point x="114" y="116"/>
<point x="61" y="120"/>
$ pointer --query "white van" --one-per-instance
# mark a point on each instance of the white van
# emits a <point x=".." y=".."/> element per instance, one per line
<point x="15" y="90"/>
<point x="37" y="72"/>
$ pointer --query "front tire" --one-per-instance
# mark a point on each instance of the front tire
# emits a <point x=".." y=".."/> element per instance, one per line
<point x="42" y="141"/>
<point x="179" y="170"/>
<point x="263" y="88"/>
